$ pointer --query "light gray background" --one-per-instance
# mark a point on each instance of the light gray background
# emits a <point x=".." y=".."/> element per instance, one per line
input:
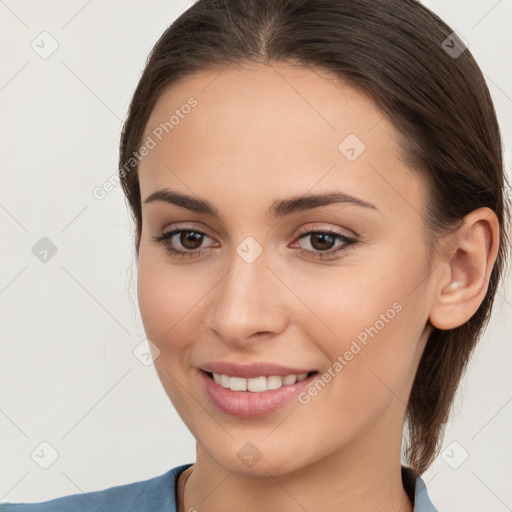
<point x="69" y="326"/>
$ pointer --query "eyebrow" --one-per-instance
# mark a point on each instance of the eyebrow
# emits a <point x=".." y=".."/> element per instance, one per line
<point x="279" y="208"/>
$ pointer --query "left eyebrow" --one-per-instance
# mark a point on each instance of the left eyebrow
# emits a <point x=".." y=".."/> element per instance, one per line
<point x="310" y="201"/>
<point x="279" y="208"/>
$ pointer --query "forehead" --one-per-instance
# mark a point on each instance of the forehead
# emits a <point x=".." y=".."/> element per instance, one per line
<point x="297" y="129"/>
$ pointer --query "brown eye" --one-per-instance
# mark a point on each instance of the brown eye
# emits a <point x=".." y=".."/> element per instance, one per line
<point x="182" y="242"/>
<point x="322" y="244"/>
<point x="191" y="239"/>
<point x="322" y="241"/>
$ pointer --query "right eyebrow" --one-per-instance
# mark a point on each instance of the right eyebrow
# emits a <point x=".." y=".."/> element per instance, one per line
<point x="191" y="203"/>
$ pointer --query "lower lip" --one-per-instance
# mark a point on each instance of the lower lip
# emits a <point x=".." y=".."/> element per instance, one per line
<point x="248" y="404"/>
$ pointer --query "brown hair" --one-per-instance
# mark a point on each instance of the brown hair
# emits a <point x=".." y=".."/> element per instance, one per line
<point x="393" y="51"/>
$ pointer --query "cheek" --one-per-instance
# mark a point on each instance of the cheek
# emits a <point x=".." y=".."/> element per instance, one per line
<point x="372" y="317"/>
<point x="166" y="296"/>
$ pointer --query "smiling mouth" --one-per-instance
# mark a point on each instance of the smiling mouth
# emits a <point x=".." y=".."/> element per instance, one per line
<point x="257" y="384"/>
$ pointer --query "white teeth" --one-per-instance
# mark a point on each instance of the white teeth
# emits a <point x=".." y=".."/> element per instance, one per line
<point x="290" y="379"/>
<point x="257" y="384"/>
<point x="274" y="382"/>
<point x="238" y="384"/>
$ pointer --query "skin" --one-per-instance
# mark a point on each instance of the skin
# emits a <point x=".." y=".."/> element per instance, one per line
<point x="269" y="132"/>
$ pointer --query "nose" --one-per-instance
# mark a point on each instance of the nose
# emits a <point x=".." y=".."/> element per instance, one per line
<point x="247" y="303"/>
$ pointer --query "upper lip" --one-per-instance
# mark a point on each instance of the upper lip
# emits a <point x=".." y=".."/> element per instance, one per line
<point x="252" y="370"/>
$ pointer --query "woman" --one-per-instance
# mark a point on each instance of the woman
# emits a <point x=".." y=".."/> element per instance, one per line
<point x="317" y="189"/>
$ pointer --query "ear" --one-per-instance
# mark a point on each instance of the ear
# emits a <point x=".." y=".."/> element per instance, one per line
<point x="463" y="268"/>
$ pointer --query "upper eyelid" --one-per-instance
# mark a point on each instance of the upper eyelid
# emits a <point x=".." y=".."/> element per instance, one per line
<point x="317" y="226"/>
<point x="303" y="232"/>
<point x="183" y="227"/>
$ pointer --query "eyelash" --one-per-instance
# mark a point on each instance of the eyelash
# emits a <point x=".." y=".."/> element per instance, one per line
<point x="348" y="242"/>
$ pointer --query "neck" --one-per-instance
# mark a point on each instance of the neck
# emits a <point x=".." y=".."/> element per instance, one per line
<point x="350" y="479"/>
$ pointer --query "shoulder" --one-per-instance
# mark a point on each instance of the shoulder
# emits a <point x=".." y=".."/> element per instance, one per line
<point x="156" y="494"/>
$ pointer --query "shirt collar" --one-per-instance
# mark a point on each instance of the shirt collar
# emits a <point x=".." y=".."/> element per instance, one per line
<point x="417" y="491"/>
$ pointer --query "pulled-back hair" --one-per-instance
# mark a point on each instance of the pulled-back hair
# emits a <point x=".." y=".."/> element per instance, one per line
<point x="409" y="62"/>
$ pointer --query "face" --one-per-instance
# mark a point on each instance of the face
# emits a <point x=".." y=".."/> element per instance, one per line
<point x="340" y="288"/>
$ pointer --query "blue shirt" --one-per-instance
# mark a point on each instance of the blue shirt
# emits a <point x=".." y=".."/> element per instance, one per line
<point x="158" y="494"/>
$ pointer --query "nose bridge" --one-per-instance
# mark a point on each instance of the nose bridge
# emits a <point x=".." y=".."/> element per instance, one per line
<point x="244" y="303"/>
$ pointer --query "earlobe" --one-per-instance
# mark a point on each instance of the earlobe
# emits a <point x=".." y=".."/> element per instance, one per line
<point x="464" y="269"/>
